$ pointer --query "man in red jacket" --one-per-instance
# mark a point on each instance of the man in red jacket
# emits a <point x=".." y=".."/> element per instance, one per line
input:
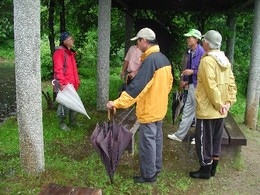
<point x="65" y="72"/>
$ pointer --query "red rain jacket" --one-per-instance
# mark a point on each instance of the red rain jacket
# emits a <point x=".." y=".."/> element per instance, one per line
<point x="70" y="73"/>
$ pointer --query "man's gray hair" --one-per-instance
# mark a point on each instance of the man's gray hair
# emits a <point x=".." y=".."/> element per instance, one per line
<point x="212" y="46"/>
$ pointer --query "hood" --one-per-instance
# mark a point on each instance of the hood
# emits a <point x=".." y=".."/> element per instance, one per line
<point x="220" y="58"/>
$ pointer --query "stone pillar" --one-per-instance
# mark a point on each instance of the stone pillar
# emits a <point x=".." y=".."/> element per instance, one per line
<point x="104" y="23"/>
<point x="28" y="84"/>
<point x="253" y="89"/>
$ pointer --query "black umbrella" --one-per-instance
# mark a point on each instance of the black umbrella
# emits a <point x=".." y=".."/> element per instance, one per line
<point x="110" y="140"/>
<point x="178" y="102"/>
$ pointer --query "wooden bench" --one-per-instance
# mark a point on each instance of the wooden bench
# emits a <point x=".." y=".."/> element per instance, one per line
<point x="55" y="189"/>
<point x="233" y="137"/>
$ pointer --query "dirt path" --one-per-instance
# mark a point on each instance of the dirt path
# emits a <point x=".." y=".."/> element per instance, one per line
<point x="238" y="176"/>
<point x="246" y="180"/>
<point x="4" y="60"/>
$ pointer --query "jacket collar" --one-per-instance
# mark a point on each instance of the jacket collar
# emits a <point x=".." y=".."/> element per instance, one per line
<point x="149" y="51"/>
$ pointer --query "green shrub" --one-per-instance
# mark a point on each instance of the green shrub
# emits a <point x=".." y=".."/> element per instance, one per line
<point x="7" y="49"/>
<point x="46" y="59"/>
<point x="87" y="54"/>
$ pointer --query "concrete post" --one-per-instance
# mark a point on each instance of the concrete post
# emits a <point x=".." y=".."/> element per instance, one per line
<point x="28" y="84"/>
<point x="104" y="23"/>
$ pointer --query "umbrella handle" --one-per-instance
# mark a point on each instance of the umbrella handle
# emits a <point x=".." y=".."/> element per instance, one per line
<point x="109" y="112"/>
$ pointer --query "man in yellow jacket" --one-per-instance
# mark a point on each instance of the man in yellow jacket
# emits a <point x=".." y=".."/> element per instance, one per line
<point x="149" y="90"/>
<point x="215" y="93"/>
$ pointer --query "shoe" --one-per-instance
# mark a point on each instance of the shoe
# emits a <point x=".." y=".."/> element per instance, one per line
<point x="140" y="179"/>
<point x="64" y="127"/>
<point x="193" y="141"/>
<point x="155" y="175"/>
<point x="214" y="167"/>
<point x="204" y="172"/>
<point x="174" y="137"/>
<point x="193" y="124"/>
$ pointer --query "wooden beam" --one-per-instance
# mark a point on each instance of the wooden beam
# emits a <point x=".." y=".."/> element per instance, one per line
<point x="240" y="6"/>
<point x="247" y="3"/>
<point x="122" y="4"/>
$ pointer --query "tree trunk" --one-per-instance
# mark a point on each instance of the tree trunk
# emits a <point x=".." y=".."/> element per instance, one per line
<point x="253" y="89"/>
<point x="104" y="20"/>
<point x="51" y="26"/>
<point x="62" y="17"/>
<point x="231" y="22"/>
<point x="28" y="84"/>
<point x="129" y="25"/>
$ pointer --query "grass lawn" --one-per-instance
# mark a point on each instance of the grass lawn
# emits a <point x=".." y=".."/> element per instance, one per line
<point x="71" y="160"/>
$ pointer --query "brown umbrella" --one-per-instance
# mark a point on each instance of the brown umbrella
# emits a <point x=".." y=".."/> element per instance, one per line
<point x="110" y="140"/>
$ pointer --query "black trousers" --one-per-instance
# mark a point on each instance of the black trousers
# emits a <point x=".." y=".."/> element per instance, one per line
<point x="208" y="136"/>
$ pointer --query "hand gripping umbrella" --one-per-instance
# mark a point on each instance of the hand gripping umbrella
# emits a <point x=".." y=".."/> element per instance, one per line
<point x="110" y="140"/>
<point x="70" y="98"/>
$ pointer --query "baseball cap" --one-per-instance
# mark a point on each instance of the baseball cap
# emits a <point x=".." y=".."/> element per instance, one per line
<point x="145" y="33"/>
<point x="64" y="36"/>
<point x="213" y="37"/>
<point x="193" y="33"/>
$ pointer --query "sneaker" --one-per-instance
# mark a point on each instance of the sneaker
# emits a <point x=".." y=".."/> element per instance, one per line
<point x="193" y="141"/>
<point x="193" y="124"/>
<point x="174" y="137"/>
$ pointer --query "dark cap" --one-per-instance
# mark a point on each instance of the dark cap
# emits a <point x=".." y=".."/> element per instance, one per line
<point x="64" y="36"/>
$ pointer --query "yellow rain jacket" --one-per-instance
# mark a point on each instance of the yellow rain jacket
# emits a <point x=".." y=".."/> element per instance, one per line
<point x="150" y="87"/>
<point x="216" y="85"/>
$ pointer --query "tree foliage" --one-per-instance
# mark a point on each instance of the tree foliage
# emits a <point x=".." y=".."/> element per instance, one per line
<point x="81" y="20"/>
<point x="6" y="21"/>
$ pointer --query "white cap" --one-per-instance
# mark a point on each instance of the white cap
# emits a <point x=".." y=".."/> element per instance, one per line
<point x="213" y="37"/>
<point x="145" y="33"/>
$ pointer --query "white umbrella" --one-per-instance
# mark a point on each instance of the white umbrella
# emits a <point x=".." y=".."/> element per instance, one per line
<point x="70" y="98"/>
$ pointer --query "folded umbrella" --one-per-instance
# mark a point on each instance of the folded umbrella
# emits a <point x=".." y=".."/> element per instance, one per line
<point x="110" y="140"/>
<point x="70" y="98"/>
<point x="178" y="102"/>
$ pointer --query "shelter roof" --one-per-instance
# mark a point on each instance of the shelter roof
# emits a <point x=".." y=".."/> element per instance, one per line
<point x="183" y="5"/>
